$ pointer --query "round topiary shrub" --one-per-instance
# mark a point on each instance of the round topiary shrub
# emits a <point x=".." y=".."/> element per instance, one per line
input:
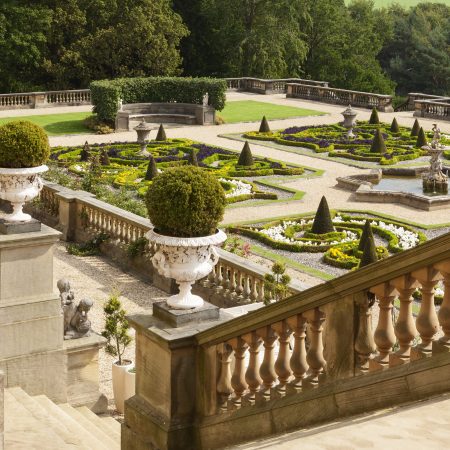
<point x="23" y="144"/>
<point x="185" y="202"/>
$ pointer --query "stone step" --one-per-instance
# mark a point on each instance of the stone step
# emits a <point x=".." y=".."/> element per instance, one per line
<point x="24" y="432"/>
<point x="89" y="440"/>
<point x="42" y="415"/>
<point x="107" y="440"/>
<point x="113" y="424"/>
<point x="97" y="421"/>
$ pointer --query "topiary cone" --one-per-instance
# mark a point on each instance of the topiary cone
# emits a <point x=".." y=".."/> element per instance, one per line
<point x="161" y="136"/>
<point x="366" y="234"/>
<point x="264" y="127"/>
<point x="378" y="144"/>
<point x="374" y="119"/>
<point x="152" y="170"/>
<point x="85" y="152"/>
<point x="322" y="221"/>
<point x="415" y="129"/>
<point x="394" y="126"/>
<point x="421" y="139"/>
<point x="104" y="158"/>
<point x="369" y="255"/>
<point x="192" y="158"/>
<point x="246" y="157"/>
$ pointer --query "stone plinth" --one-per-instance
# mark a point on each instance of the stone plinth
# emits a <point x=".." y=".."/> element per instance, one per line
<point x="31" y="338"/>
<point x="83" y="373"/>
<point x="2" y="413"/>
<point x="161" y="414"/>
<point x="180" y="317"/>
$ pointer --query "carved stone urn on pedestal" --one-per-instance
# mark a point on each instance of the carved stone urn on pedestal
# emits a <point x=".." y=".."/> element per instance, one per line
<point x="186" y="260"/>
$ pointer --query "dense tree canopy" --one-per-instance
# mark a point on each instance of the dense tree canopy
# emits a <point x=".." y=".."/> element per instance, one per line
<point x="60" y="44"/>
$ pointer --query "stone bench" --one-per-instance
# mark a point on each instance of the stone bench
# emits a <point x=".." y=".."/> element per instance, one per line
<point x="185" y="113"/>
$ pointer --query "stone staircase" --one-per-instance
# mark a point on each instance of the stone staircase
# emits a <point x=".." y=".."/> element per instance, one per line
<point x="38" y="423"/>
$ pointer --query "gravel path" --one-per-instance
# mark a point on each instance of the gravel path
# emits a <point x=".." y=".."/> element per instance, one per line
<point x="95" y="277"/>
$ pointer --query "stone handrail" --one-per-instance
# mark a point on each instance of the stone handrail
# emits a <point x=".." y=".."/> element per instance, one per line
<point x="340" y="96"/>
<point x="79" y="215"/>
<point x="264" y="86"/>
<point x="438" y="108"/>
<point x="31" y="100"/>
<point x="299" y="328"/>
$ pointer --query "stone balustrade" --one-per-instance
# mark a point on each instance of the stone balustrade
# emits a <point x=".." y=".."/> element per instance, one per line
<point x="80" y="216"/>
<point x="31" y="100"/>
<point x="2" y="412"/>
<point x="340" y="96"/>
<point x="263" y="86"/>
<point x="439" y="108"/>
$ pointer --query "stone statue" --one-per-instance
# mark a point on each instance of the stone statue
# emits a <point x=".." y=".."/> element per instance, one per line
<point x="435" y="143"/>
<point x="76" y="322"/>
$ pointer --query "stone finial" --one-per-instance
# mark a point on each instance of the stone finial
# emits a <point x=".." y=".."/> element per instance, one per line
<point x="76" y="321"/>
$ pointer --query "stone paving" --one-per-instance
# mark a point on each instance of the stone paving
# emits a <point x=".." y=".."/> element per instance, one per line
<point x="314" y="187"/>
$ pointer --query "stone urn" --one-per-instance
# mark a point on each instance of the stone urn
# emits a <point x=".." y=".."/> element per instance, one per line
<point x="19" y="186"/>
<point x="186" y="260"/>
<point x="349" y="120"/>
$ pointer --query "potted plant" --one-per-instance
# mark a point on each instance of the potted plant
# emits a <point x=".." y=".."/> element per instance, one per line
<point x="185" y="205"/>
<point x="24" y="149"/>
<point x="118" y="339"/>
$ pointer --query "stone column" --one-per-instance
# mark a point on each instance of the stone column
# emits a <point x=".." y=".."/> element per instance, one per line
<point x="31" y="324"/>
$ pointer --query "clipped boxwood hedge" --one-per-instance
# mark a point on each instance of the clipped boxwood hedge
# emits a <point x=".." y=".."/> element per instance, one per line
<point x="105" y="94"/>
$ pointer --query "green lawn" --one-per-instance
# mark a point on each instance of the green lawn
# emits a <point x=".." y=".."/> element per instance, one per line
<point x="405" y="3"/>
<point x="56" y="124"/>
<point x="252" y="111"/>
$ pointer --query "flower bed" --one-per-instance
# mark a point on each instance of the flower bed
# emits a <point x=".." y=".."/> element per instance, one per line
<point x="332" y="139"/>
<point x="126" y="167"/>
<point x="340" y="248"/>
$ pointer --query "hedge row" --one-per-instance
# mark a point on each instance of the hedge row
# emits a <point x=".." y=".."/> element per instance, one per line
<point x="105" y="94"/>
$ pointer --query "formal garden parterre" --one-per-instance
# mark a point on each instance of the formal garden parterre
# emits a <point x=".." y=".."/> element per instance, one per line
<point x="376" y="143"/>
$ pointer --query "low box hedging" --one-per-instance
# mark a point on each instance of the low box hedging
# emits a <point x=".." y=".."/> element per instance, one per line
<point x="105" y="94"/>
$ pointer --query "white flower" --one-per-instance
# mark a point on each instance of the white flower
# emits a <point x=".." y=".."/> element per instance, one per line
<point x="239" y="188"/>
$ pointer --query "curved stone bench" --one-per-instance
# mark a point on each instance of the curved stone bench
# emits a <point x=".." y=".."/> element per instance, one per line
<point x="186" y="113"/>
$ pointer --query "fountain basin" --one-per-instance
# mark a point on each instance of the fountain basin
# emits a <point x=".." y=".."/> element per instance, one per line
<point x="394" y="185"/>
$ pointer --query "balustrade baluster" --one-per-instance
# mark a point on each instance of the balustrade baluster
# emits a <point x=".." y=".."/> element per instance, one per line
<point x="298" y="362"/>
<point x="427" y="321"/>
<point x="238" y="378"/>
<point x="267" y="369"/>
<point x="282" y="366"/>
<point x="314" y="356"/>
<point x="443" y="344"/>
<point x="224" y="388"/>
<point x="384" y="334"/>
<point x="219" y="277"/>
<point x="239" y="287"/>
<point x="252" y="376"/>
<point x="405" y="328"/>
<point x="247" y="290"/>
<point x="364" y="343"/>
<point x="254" y="292"/>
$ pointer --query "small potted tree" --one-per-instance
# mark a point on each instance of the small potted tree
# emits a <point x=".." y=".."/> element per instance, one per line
<point x="185" y="205"/>
<point x="24" y="149"/>
<point x="118" y="339"/>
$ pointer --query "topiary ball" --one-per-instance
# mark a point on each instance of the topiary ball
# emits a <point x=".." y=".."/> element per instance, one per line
<point x="374" y="119"/>
<point x="23" y="144"/>
<point x="378" y="144"/>
<point x="185" y="202"/>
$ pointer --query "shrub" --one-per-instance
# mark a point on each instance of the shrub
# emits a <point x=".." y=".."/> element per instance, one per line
<point x="378" y="144"/>
<point x="394" y="126"/>
<point x="192" y="158"/>
<point x="161" y="136"/>
<point x="85" y="153"/>
<point x="152" y="170"/>
<point x="374" y="119"/>
<point x="23" y="144"/>
<point x="421" y="139"/>
<point x="322" y="221"/>
<point x="104" y="158"/>
<point x="246" y="157"/>
<point x="105" y="94"/>
<point x="264" y="127"/>
<point x="415" y="129"/>
<point x="93" y="123"/>
<point x="366" y="234"/>
<point x="185" y="202"/>
<point x="116" y="327"/>
<point x="369" y="255"/>
<point x="276" y="284"/>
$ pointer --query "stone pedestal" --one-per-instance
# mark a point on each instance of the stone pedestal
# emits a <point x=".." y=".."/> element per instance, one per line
<point x="2" y="413"/>
<point x="161" y="414"/>
<point x="83" y="373"/>
<point x="31" y="324"/>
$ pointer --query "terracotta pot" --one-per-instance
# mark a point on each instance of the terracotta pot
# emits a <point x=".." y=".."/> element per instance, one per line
<point x="118" y="380"/>
<point x="186" y="260"/>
